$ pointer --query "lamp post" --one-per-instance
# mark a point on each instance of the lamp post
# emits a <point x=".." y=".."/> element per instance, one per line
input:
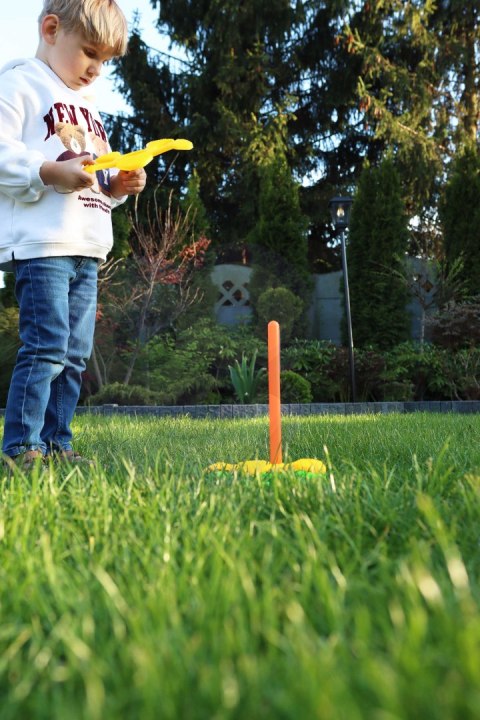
<point x="340" y="207"/>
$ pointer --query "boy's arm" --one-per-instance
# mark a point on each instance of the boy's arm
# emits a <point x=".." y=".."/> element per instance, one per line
<point x="68" y="173"/>
<point x="20" y="172"/>
<point x="19" y="168"/>
<point x="25" y="173"/>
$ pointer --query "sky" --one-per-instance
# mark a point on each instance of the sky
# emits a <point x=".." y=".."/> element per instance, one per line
<point x="18" y="20"/>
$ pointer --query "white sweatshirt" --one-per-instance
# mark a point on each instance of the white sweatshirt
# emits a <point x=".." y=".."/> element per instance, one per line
<point x="42" y="119"/>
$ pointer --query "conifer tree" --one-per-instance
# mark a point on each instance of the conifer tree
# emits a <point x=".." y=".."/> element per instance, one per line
<point x="355" y="79"/>
<point x="279" y="237"/>
<point x="193" y="205"/>
<point x="418" y="84"/>
<point x="460" y="216"/>
<point x="279" y="241"/>
<point x="378" y="239"/>
<point x="244" y="65"/>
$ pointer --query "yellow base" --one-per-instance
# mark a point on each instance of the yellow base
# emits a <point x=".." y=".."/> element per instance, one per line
<point x="255" y="467"/>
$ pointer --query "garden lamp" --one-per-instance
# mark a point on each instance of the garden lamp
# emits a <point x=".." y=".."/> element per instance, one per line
<point x="340" y="207"/>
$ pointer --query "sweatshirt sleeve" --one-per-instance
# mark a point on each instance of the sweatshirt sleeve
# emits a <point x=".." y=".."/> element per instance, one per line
<point x="116" y="202"/>
<point x="19" y="167"/>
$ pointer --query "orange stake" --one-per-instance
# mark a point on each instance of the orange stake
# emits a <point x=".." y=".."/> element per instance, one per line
<point x="274" y="392"/>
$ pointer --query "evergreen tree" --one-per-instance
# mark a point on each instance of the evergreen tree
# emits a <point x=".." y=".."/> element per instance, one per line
<point x="332" y="140"/>
<point x="236" y="75"/>
<point x="193" y="205"/>
<point x="246" y="66"/>
<point x="278" y="240"/>
<point x="418" y="84"/>
<point x="353" y="80"/>
<point x="455" y="32"/>
<point x="460" y="216"/>
<point x="378" y="241"/>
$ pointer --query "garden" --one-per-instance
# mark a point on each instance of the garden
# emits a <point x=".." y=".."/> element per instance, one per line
<point x="161" y="582"/>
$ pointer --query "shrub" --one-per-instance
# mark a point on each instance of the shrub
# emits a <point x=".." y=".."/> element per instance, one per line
<point x="120" y="394"/>
<point x="279" y="304"/>
<point x="460" y="374"/>
<point x="294" y="388"/>
<point x="313" y="360"/>
<point x="326" y="367"/>
<point x="414" y="372"/>
<point x="179" y="373"/>
<point x="10" y="343"/>
<point x="192" y="367"/>
<point x="455" y="326"/>
<point x="369" y="366"/>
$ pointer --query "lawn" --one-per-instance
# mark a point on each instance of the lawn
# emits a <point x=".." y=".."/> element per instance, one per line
<point x="148" y="588"/>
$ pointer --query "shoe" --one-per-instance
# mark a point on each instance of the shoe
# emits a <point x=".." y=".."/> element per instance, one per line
<point x="25" y="461"/>
<point x="70" y="457"/>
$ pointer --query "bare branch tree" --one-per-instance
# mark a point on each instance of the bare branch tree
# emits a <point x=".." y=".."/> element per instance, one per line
<point x="150" y="289"/>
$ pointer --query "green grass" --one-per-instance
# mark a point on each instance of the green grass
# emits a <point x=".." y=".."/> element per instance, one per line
<point x="147" y="588"/>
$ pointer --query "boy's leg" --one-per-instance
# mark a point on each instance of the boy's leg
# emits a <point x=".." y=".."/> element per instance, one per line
<point x="41" y="287"/>
<point x="65" y="388"/>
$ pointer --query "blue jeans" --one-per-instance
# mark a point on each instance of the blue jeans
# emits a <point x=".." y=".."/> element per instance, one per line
<point x="57" y="297"/>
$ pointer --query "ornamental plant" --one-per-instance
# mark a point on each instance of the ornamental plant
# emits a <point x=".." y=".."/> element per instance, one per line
<point x="245" y="379"/>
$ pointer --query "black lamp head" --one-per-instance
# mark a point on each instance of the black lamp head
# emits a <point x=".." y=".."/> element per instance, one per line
<point x="340" y="207"/>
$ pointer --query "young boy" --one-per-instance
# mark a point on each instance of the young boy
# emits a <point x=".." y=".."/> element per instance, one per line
<point x="56" y="217"/>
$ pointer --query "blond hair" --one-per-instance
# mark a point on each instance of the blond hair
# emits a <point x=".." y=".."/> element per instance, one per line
<point x="101" y="21"/>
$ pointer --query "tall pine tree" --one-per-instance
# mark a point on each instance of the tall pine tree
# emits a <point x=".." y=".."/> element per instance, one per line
<point x="418" y="84"/>
<point x="378" y="240"/>
<point x="460" y="216"/>
<point x="279" y="241"/>
<point x="245" y="65"/>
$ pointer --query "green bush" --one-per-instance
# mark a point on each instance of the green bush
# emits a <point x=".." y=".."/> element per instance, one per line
<point x="327" y="369"/>
<point x="180" y="373"/>
<point x="120" y="394"/>
<point x="459" y="378"/>
<point x="192" y="367"/>
<point x="279" y="304"/>
<point x="408" y="371"/>
<point x="294" y="388"/>
<point x="414" y="372"/>
<point x="369" y="366"/>
<point x="313" y="359"/>
<point x="10" y="343"/>
<point x="455" y="326"/>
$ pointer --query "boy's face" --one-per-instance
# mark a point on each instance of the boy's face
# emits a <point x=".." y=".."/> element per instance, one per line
<point x="76" y="61"/>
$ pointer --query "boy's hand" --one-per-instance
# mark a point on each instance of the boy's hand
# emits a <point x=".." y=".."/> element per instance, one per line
<point x="128" y="183"/>
<point x="68" y="174"/>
